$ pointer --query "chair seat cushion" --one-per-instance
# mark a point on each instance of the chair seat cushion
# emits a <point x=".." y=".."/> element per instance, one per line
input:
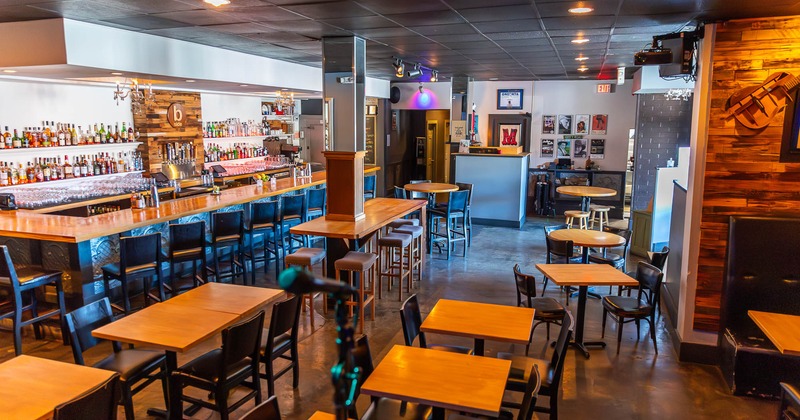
<point x="403" y="222"/>
<point x="414" y="231"/>
<point x="32" y="274"/>
<point x="521" y="368"/>
<point x="207" y="366"/>
<point x="386" y="409"/>
<point x="282" y="344"/>
<point x="313" y="213"/>
<point x="395" y="240"/>
<point x="131" y="362"/>
<point x="305" y="256"/>
<point x="356" y="261"/>
<point x="194" y="253"/>
<point x="114" y="269"/>
<point x="450" y="348"/>
<point x="627" y="306"/>
<point x="227" y="238"/>
<point x="547" y="307"/>
<point x="260" y="226"/>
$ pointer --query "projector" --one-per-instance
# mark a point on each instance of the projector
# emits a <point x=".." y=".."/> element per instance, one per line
<point x="652" y="57"/>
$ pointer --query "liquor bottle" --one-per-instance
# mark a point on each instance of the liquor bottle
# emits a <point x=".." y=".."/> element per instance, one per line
<point x="46" y="169"/>
<point x="102" y="134"/>
<point x="95" y="164"/>
<point x="123" y="135"/>
<point x="67" y="168"/>
<point x="84" y="168"/>
<point x="116" y="133"/>
<point x="60" y="173"/>
<point x="73" y="136"/>
<point x="95" y="135"/>
<point x="76" y="168"/>
<point x="3" y="175"/>
<point x="16" y="141"/>
<point x="7" y="139"/>
<point x="26" y="140"/>
<point x="37" y="171"/>
<point x="14" y="174"/>
<point x="45" y="135"/>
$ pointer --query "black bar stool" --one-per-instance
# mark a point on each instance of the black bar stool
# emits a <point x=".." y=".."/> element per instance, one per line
<point x="227" y="233"/>
<point x="264" y="222"/>
<point x="293" y="209"/>
<point x="187" y="243"/>
<point x="139" y="257"/>
<point x="25" y="280"/>
<point x="315" y="207"/>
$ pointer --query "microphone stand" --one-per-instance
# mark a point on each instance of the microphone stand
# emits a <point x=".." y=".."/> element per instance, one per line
<point x="344" y="375"/>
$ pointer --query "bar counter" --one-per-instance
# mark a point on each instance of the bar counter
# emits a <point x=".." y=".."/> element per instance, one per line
<point x="80" y="246"/>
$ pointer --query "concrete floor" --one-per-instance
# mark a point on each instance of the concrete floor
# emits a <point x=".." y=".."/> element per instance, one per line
<point x="636" y="384"/>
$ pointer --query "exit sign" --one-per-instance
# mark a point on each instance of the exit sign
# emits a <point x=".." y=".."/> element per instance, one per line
<point x="604" y="88"/>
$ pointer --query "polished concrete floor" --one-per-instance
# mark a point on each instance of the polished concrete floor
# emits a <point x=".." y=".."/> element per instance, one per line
<point x="636" y="384"/>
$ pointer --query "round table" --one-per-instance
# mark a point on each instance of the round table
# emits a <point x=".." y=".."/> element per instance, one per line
<point x="431" y="187"/>
<point x="586" y="193"/>
<point x="588" y="238"/>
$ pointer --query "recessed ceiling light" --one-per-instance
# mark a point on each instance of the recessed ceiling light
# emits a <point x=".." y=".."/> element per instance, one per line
<point x="244" y="85"/>
<point x="217" y="3"/>
<point x="580" y="10"/>
<point x="189" y="80"/>
<point x="9" y="71"/>
<point x="581" y="58"/>
<point x="580" y="40"/>
<point x="583" y="69"/>
<point x="494" y="78"/>
<point x="284" y="89"/>
<point x="116" y="73"/>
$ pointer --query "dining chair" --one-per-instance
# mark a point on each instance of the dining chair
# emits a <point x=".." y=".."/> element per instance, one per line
<point x="615" y="257"/>
<point x="139" y="257"/>
<point x="411" y="319"/>
<point x="99" y="403"/>
<point x="281" y="339"/>
<point x="546" y="309"/>
<point x="625" y="309"/>
<point x="415" y="195"/>
<point x="369" y="187"/>
<point x="456" y="209"/>
<point x="137" y="368"/>
<point x="267" y="410"/>
<point x="221" y="370"/>
<point x="525" y="408"/>
<point x="560" y="252"/>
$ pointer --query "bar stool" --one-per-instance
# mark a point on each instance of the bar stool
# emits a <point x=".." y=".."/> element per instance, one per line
<point x="361" y="263"/>
<point x="293" y="209"/>
<point x="227" y="232"/>
<point x="387" y="246"/>
<point x="264" y="222"/>
<point x="315" y="207"/>
<point x="582" y="216"/>
<point x="139" y="257"/>
<point x="25" y="280"/>
<point x="416" y="233"/>
<point x="307" y="258"/>
<point x="598" y="213"/>
<point x="187" y="243"/>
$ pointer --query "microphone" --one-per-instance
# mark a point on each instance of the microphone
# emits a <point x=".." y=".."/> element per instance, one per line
<point x="297" y="281"/>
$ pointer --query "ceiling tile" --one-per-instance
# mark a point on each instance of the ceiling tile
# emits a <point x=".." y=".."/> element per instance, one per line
<point x="582" y="22"/>
<point x="557" y="9"/>
<point x="147" y="22"/>
<point x="201" y="17"/>
<point x="85" y="10"/>
<point x="360" y="22"/>
<point x="332" y="10"/>
<point x="445" y="17"/>
<point x="239" y="28"/>
<point x="520" y="25"/>
<point x="263" y="14"/>
<point x="443" y="29"/>
<point x="499" y="13"/>
<point x="393" y="7"/>
<point x="22" y="13"/>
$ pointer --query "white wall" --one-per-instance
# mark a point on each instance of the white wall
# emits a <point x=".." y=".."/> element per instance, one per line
<point x="580" y="97"/>
<point x="484" y="96"/>
<point x="434" y="96"/>
<point x="218" y="107"/>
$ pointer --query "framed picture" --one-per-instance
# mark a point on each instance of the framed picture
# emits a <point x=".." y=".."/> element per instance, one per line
<point x="599" y="124"/>
<point x="372" y="110"/>
<point x="548" y="124"/>
<point x="459" y="129"/>
<point x="598" y="149"/>
<point x="579" y="148"/>
<point x="563" y="148"/>
<point x="547" y="148"/>
<point x="509" y="98"/>
<point x="565" y="124"/>
<point x="509" y="134"/>
<point x="582" y="124"/>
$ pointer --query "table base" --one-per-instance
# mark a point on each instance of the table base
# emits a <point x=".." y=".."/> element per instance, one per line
<point x="582" y="346"/>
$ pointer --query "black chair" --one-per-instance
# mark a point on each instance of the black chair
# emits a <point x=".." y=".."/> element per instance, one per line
<point x="98" y="404"/>
<point x="414" y="195"/>
<point x="369" y="187"/>
<point x="227" y="234"/>
<point x="525" y="408"/>
<point x="625" y="309"/>
<point x="399" y="192"/>
<point x="293" y="210"/>
<point x="546" y="309"/>
<point x="223" y="369"/>
<point x="411" y="319"/>
<point x="380" y="408"/>
<point x="618" y="260"/>
<point x="657" y="260"/>
<point x="187" y="244"/>
<point x="264" y="222"/>
<point x="790" y="403"/>
<point x="315" y="207"/>
<point x="267" y="410"/>
<point x="468" y="187"/>
<point x="139" y="257"/>
<point x="560" y="252"/>
<point x="456" y="209"/>
<point x="23" y="282"/>
<point x="137" y="368"/>
<point x="550" y="372"/>
<point x="282" y="338"/>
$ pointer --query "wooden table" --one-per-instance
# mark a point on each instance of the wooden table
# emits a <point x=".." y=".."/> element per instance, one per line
<point x="481" y="321"/>
<point x="440" y="379"/>
<point x="583" y="276"/>
<point x="588" y="238"/>
<point x="431" y="187"/>
<point x="229" y="298"/>
<point x="321" y="415"/>
<point x="782" y="329"/>
<point x="586" y="193"/>
<point x="32" y="387"/>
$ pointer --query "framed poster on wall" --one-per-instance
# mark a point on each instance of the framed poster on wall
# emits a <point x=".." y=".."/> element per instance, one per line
<point x="565" y="124"/>
<point x="547" y="148"/>
<point x="599" y="124"/>
<point x="509" y="98"/>
<point x="548" y="124"/>
<point x="563" y="148"/>
<point x="582" y="124"/>
<point x="579" y="148"/>
<point x="369" y="158"/>
<point x="598" y="149"/>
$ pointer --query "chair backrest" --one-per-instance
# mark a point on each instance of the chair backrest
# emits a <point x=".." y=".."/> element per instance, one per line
<point x="560" y="353"/>
<point x="82" y="321"/>
<point x="139" y="250"/>
<point x="292" y="206"/>
<point x="659" y="259"/>
<point x="227" y="223"/>
<point x="267" y="410"/>
<point x="563" y="249"/>
<point x="463" y="186"/>
<point x="625" y="233"/>
<point x="457" y="201"/>
<point x="98" y="404"/>
<point x="285" y="317"/>
<point x="315" y="199"/>
<point x="548" y="229"/>
<point x="415" y="194"/>
<point x="649" y="278"/>
<point x="240" y="341"/>
<point x="264" y="212"/>
<point x="399" y="192"/>
<point x="531" y="394"/>
<point x="7" y="270"/>
<point x="369" y="184"/>
<point x="411" y="319"/>
<point x="526" y="286"/>
<point x="184" y="236"/>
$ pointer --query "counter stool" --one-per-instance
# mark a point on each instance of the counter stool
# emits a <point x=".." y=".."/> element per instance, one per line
<point x="416" y="233"/>
<point x="403" y="222"/>
<point x="264" y="221"/>
<point x="307" y="258"/>
<point x="25" y="280"/>
<point x="293" y="212"/>
<point x="598" y="213"/>
<point x="387" y="246"/>
<point x="582" y="216"/>
<point x="362" y="263"/>
<point x="187" y="243"/>
<point x="139" y="257"/>
<point x="227" y="232"/>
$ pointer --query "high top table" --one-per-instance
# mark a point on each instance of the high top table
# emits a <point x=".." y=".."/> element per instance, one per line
<point x="586" y="193"/>
<point x="782" y="329"/>
<point x="588" y="238"/>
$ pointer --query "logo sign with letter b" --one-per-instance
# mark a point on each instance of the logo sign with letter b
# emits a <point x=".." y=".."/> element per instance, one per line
<point x="175" y="115"/>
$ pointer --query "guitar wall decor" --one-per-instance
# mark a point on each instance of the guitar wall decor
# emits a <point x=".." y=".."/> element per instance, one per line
<point x="756" y="106"/>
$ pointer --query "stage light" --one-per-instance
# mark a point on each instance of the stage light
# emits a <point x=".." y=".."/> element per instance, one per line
<point x="416" y="71"/>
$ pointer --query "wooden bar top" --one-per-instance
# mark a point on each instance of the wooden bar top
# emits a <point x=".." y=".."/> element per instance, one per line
<point x="48" y="227"/>
<point x="782" y="329"/>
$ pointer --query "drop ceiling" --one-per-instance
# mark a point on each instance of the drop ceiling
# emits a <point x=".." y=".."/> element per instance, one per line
<point x="503" y="39"/>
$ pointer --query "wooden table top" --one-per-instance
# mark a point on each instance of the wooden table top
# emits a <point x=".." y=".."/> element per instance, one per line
<point x="321" y="415"/>
<point x="448" y="380"/>
<point x="586" y="191"/>
<point x="591" y="238"/>
<point x="586" y="275"/>
<point x="431" y="187"/>
<point x="32" y="387"/>
<point x="782" y="329"/>
<point x="378" y="213"/>
<point x="30" y="225"/>
<point x="230" y="298"/>
<point x="480" y="320"/>
<point x="171" y="327"/>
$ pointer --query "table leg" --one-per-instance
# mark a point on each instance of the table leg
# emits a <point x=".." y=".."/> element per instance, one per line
<point x="438" y="413"/>
<point x="585" y="203"/>
<point x="174" y="411"/>
<point x="479" y="344"/>
<point x="579" y="343"/>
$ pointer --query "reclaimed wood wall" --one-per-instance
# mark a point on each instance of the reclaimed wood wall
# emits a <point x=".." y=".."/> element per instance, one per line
<point x="156" y="131"/>
<point x="743" y="173"/>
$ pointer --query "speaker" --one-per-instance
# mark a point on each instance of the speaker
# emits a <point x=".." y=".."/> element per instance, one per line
<point x="394" y="95"/>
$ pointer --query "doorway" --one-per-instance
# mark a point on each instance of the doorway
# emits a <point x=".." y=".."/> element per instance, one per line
<point x="432" y="147"/>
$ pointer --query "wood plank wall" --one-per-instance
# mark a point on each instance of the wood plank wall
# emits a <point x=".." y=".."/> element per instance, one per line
<point x="155" y="131"/>
<point x="743" y="173"/>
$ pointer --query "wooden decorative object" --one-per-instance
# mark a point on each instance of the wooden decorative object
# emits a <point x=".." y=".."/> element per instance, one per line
<point x="756" y="106"/>
<point x="345" y="185"/>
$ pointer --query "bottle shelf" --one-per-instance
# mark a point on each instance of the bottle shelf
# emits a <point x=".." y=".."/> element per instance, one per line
<point x="68" y="150"/>
<point x="234" y="139"/>
<point x="278" y="117"/>
<point x="242" y="160"/>
<point x="68" y="181"/>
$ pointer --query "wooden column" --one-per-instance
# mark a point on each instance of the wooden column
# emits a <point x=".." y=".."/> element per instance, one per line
<point x="345" y="172"/>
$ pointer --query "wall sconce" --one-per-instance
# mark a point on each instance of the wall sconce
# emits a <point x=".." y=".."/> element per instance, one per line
<point x="138" y="97"/>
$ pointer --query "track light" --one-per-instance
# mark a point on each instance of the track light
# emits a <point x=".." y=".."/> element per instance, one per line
<point x="421" y="89"/>
<point x="399" y="68"/>
<point x="416" y="71"/>
<point x="434" y="75"/>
